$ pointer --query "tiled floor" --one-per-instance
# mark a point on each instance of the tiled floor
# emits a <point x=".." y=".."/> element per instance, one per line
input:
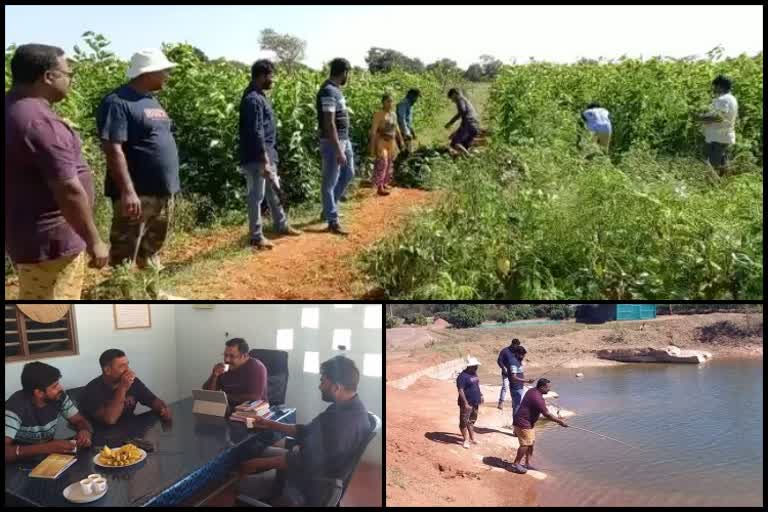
<point x="364" y="490"/>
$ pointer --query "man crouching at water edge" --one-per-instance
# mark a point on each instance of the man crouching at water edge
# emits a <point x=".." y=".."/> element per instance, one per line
<point x="525" y="418"/>
<point x="470" y="399"/>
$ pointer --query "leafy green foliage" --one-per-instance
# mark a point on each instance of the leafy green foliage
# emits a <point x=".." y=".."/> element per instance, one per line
<point x="651" y="102"/>
<point x="648" y="227"/>
<point x="202" y="98"/>
<point x="466" y="316"/>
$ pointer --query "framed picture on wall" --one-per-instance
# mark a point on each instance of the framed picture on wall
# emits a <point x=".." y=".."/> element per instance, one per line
<point x="132" y="316"/>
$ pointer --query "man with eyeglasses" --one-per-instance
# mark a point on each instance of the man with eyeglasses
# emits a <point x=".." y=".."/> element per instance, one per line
<point x="49" y="222"/>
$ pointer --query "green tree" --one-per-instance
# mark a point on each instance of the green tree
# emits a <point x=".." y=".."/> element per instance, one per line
<point x="288" y="49"/>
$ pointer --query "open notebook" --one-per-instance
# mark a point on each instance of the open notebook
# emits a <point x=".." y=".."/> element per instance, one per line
<point x="53" y="466"/>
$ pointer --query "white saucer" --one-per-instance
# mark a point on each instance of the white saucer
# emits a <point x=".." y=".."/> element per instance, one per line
<point x="74" y="493"/>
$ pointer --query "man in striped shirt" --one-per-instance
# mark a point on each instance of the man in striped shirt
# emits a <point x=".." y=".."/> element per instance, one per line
<point x="32" y="414"/>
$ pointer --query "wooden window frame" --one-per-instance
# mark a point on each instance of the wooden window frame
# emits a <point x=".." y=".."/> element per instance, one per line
<point x="25" y="355"/>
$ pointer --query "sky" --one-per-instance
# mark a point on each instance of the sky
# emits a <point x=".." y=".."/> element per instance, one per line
<point x="461" y="33"/>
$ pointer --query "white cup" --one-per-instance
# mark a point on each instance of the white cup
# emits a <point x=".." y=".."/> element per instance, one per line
<point x="226" y="367"/>
<point x="99" y="485"/>
<point x="94" y="476"/>
<point x="86" y="485"/>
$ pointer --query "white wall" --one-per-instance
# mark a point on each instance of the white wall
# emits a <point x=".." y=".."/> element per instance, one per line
<point x="152" y="352"/>
<point x="201" y="333"/>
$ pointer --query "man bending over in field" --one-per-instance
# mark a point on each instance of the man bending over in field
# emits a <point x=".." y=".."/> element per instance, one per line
<point x="462" y="138"/>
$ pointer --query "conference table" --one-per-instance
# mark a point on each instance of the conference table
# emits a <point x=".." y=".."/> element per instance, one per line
<point x="191" y="451"/>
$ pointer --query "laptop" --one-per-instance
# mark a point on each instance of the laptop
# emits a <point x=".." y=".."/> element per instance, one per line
<point x="213" y="403"/>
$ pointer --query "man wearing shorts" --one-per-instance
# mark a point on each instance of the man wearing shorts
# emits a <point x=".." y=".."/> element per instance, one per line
<point x="470" y="399"/>
<point x="527" y="415"/>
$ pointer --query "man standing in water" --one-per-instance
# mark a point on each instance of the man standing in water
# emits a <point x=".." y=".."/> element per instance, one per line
<point x="470" y="399"/>
<point x="525" y="419"/>
<point x="504" y="361"/>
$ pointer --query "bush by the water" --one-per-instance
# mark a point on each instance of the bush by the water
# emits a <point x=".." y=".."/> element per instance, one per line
<point x="394" y="321"/>
<point x="466" y="316"/>
<point x="415" y="319"/>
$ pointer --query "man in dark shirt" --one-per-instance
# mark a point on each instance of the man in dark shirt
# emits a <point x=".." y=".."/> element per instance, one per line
<point x="335" y="146"/>
<point x="258" y="154"/>
<point x="246" y="378"/>
<point x="525" y="419"/>
<point x="469" y="127"/>
<point x="49" y="223"/>
<point x="32" y="414"/>
<point x="504" y="361"/>
<point x="115" y="393"/>
<point x="142" y="161"/>
<point x="325" y="446"/>
<point x="470" y="398"/>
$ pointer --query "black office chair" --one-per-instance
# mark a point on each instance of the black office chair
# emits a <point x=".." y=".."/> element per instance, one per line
<point x="276" y="362"/>
<point x="325" y="491"/>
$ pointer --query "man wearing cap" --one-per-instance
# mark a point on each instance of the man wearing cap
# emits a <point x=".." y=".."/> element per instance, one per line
<point x="470" y="399"/>
<point x="142" y="160"/>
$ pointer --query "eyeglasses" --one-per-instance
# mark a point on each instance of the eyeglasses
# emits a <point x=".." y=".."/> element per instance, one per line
<point x="68" y="74"/>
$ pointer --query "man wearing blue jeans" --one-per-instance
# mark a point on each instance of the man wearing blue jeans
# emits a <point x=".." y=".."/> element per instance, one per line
<point x="335" y="146"/>
<point x="504" y="361"/>
<point x="258" y="155"/>
<point x="516" y="378"/>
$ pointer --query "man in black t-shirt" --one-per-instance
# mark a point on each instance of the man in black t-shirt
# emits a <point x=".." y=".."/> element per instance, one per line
<point x="115" y="393"/>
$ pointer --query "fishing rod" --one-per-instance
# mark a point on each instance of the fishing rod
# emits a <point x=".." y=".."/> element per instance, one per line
<point x="558" y="364"/>
<point x="603" y="435"/>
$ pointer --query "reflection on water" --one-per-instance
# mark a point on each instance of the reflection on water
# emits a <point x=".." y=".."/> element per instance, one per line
<point x="698" y="429"/>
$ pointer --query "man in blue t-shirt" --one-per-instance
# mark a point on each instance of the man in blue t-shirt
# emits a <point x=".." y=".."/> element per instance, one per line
<point x="405" y="117"/>
<point x="505" y="361"/>
<point x="142" y="161"/>
<point x="470" y="399"/>
<point x="517" y="378"/>
<point x="335" y="146"/>
<point x="258" y="155"/>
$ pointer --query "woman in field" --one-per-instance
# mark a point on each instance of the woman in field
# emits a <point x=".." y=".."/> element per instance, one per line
<point x="384" y="142"/>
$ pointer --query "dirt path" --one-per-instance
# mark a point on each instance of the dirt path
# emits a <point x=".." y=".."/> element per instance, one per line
<point x="218" y="264"/>
<point x="316" y="265"/>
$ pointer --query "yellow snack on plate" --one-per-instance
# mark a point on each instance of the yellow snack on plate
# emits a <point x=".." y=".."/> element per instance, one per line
<point x="123" y="456"/>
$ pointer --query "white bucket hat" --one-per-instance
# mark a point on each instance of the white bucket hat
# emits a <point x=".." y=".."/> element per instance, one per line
<point x="147" y="61"/>
<point x="471" y="361"/>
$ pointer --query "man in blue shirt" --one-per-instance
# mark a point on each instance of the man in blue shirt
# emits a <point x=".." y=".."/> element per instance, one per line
<point x="470" y="398"/>
<point x="404" y="112"/>
<point x="325" y="447"/>
<point x="258" y="155"/>
<point x="517" y="378"/>
<point x="335" y="146"/>
<point x="142" y="161"/>
<point x="504" y="361"/>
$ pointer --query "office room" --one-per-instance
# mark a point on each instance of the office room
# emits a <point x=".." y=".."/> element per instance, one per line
<point x="193" y="404"/>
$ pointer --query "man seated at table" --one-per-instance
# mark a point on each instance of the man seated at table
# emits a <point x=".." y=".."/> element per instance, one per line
<point x="32" y="414"/>
<point x="115" y="393"/>
<point x="324" y="447"/>
<point x="246" y="378"/>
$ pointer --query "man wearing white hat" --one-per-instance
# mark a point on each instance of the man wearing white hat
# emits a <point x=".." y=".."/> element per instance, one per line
<point x="470" y="399"/>
<point x="142" y="160"/>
